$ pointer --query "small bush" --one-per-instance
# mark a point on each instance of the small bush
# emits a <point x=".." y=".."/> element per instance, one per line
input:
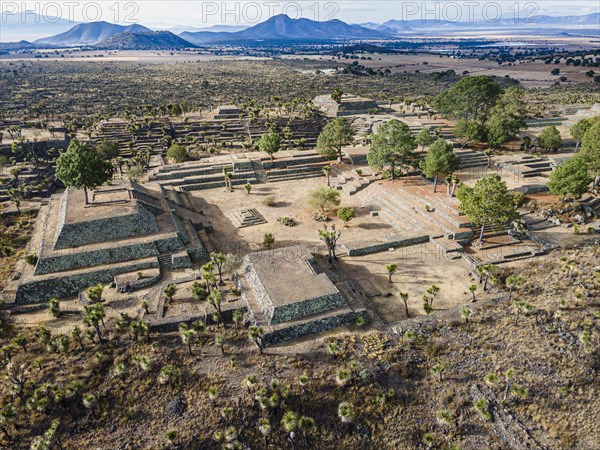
<point x="31" y="259"/>
<point x="320" y="217"/>
<point x="519" y="199"/>
<point x="346" y="214"/>
<point x="270" y="201"/>
<point x="269" y="241"/>
<point x="287" y="221"/>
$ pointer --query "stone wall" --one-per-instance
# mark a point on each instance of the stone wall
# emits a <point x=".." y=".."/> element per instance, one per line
<point x="462" y="235"/>
<point x="181" y="260"/>
<point x="131" y="282"/>
<point x="69" y="235"/>
<point x="72" y="261"/>
<point x="43" y="290"/>
<point x="366" y="248"/>
<point x="258" y="289"/>
<point x="286" y="313"/>
<point x="317" y="326"/>
<point x="198" y="255"/>
<point x="169" y="244"/>
<point x="180" y="228"/>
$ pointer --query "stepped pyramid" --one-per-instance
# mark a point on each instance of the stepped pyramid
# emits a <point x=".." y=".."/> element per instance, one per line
<point x="246" y="218"/>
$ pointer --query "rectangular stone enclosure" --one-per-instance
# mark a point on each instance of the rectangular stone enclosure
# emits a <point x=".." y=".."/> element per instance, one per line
<point x="286" y="285"/>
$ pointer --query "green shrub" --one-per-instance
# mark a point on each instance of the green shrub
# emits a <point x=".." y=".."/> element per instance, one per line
<point x="31" y="259"/>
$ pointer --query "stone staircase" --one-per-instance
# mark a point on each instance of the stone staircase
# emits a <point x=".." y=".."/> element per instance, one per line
<point x="592" y="201"/>
<point x="528" y="166"/>
<point x="294" y="166"/>
<point x="442" y="214"/>
<point x="535" y="223"/>
<point x="471" y="159"/>
<point x="395" y="213"/>
<point x="150" y="202"/>
<point x="141" y="136"/>
<point x="206" y="173"/>
<point x="165" y="262"/>
<point x="351" y="182"/>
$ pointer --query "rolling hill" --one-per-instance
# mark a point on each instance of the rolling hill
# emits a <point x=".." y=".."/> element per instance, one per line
<point x="90" y="34"/>
<point x="152" y="40"/>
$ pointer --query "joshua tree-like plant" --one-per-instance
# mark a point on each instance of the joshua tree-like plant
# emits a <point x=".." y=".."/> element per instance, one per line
<point x="472" y="290"/>
<point x="255" y="334"/>
<point x="346" y="413"/>
<point x="54" y="307"/>
<point x="391" y="270"/>
<point x="465" y="313"/>
<point x="404" y="297"/>
<point x="512" y="282"/>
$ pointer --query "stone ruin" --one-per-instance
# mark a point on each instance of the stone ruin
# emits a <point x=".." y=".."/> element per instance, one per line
<point x="290" y="295"/>
<point x="125" y="229"/>
<point x="349" y="105"/>
<point x="246" y="218"/>
<point x="252" y="168"/>
<point x="227" y="112"/>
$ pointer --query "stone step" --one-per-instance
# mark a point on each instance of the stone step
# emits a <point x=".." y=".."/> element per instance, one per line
<point x="395" y="212"/>
<point x="165" y="262"/>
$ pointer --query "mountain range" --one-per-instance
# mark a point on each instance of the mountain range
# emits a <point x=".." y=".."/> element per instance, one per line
<point x="535" y="22"/>
<point x="90" y="34"/>
<point x="29" y="26"/>
<point x="283" y="28"/>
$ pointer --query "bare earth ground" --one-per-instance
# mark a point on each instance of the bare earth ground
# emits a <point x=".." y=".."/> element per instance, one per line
<point x="395" y="394"/>
<point x="419" y="267"/>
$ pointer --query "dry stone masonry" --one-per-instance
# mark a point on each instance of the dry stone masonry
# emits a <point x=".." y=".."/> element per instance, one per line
<point x="125" y="229"/>
<point x="290" y="296"/>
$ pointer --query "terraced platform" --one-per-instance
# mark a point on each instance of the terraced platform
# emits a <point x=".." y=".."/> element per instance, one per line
<point x="246" y="218"/>
<point x="125" y="228"/>
<point x="291" y="307"/>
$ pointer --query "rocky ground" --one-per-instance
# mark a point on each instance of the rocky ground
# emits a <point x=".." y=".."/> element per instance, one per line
<point x="513" y="373"/>
<point x="15" y="232"/>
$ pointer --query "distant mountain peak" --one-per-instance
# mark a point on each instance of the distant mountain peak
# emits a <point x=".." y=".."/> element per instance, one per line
<point x="90" y="33"/>
<point x="283" y="27"/>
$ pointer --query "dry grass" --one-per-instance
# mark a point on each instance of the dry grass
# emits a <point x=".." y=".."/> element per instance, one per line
<point x="396" y="395"/>
<point x="15" y="232"/>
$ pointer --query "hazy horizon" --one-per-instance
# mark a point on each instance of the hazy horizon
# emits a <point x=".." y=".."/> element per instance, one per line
<point x="180" y="15"/>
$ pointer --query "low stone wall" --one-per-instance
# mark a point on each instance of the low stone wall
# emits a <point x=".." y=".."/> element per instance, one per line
<point x="131" y="282"/>
<point x="316" y="326"/>
<point x="111" y="228"/>
<point x="367" y="248"/>
<point x="94" y="258"/>
<point x="306" y="308"/>
<point x="462" y="235"/>
<point x="44" y="290"/>
<point x="181" y="260"/>
<point x="198" y="255"/>
<point x="170" y="244"/>
<point x="505" y="425"/>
